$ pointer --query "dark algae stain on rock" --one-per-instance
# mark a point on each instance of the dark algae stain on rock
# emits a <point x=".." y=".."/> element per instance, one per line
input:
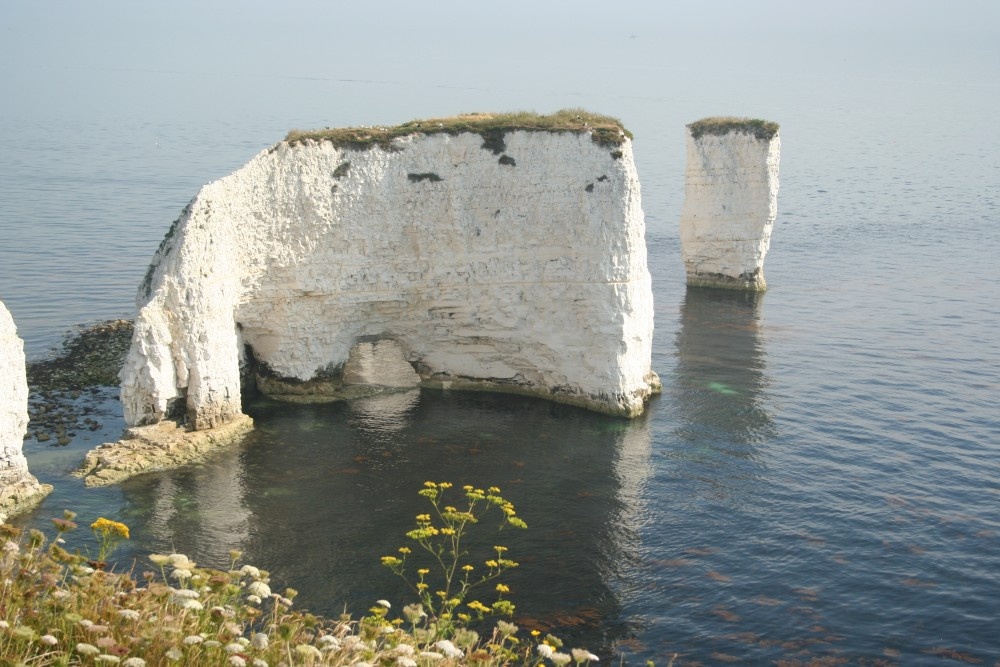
<point x="342" y="169"/>
<point x="428" y="176"/>
<point x="507" y="160"/>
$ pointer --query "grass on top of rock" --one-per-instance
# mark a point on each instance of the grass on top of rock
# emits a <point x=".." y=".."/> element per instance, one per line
<point x="723" y="125"/>
<point x="604" y="130"/>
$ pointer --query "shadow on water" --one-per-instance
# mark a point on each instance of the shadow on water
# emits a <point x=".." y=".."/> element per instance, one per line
<point x="318" y="493"/>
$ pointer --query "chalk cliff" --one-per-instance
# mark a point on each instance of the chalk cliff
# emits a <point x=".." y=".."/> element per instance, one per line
<point x="504" y="258"/>
<point x="730" y="201"/>
<point x="19" y="490"/>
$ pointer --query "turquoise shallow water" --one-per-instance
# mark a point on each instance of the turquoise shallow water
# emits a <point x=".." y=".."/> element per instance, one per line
<point x="818" y="480"/>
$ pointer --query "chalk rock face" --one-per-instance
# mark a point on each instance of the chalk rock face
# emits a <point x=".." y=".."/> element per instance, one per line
<point x="522" y="272"/>
<point x="19" y="490"/>
<point x="730" y="203"/>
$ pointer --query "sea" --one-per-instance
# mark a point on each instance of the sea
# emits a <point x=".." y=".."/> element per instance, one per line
<point x="818" y="483"/>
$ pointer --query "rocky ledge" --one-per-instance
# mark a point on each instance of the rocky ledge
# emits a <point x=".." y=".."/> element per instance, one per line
<point x="159" y="446"/>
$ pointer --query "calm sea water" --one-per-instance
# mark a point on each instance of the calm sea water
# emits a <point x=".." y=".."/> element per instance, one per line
<point x="819" y="478"/>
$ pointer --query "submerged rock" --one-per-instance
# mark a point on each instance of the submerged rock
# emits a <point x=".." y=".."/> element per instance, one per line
<point x="730" y="201"/>
<point x="19" y="490"/>
<point x="495" y="253"/>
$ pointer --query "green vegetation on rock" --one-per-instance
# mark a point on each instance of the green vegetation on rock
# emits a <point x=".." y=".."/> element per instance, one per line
<point x="605" y="130"/>
<point x="723" y="125"/>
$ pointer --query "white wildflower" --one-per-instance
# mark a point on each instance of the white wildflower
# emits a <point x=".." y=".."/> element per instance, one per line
<point x="259" y="588"/>
<point x="129" y="614"/>
<point x="84" y="648"/>
<point x="259" y="662"/>
<point x="4" y="625"/>
<point x="431" y="655"/>
<point x="85" y="622"/>
<point x="211" y="643"/>
<point x="362" y="664"/>
<point x="61" y="595"/>
<point x="180" y="560"/>
<point x="449" y="649"/>
<point x="253" y="599"/>
<point x="173" y="654"/>
<point x="243" y="641"/>
<point x="259" y="641"/>
<point x="11" y="547"/>
<point x="134" y="662"/>
<point x="159" y="559"/>
<point x="384" y="603"/>
<point x="181" y="574"/>
<point x="285" y="601"/>
<point x="186" y="593"/>
<point x="233" y="648"/>
<point x="237" y="661"/>
<point x="187" y="603"/>
<point x="403" y="661"/>
<point x="191" y="640"/>
<point x="560" y="658"/>
<point x="545" y="650"/>
<point x="110" y="659"/>
<point x="250" y="571"/>
<point x="48" y="639"/>
<point x="404" y="649"/>
<point x="307" y="652"/>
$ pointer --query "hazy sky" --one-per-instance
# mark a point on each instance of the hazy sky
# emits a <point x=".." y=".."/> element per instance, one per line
<point x="304" y="36"/>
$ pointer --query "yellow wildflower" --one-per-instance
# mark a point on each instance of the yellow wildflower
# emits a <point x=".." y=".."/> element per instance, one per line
<point x="107" y="526"/>
<point x="502" y="588"/>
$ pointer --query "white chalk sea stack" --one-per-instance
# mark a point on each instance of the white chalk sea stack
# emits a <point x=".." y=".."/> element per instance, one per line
<point x="19" y="490"/>
<point x="730" y="201"/>
<point x="485" y="253"/>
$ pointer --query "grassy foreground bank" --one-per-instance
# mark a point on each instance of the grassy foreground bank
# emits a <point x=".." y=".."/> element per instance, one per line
<point x="63" y="608"/>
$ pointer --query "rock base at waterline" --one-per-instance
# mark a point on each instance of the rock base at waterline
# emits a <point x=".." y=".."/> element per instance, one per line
<point x="159" y="446"/>
<point x="22" y="495"/>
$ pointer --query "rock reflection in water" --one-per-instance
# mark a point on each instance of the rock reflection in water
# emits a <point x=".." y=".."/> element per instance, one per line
<point x="721" y="375"/>
<point x="197" y="511"/>
<point x="320" y="492"/>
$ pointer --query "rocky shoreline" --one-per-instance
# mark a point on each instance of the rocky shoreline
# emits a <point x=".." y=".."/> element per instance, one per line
<point x="88" y="362"/>
<point x="89" y="359"/>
